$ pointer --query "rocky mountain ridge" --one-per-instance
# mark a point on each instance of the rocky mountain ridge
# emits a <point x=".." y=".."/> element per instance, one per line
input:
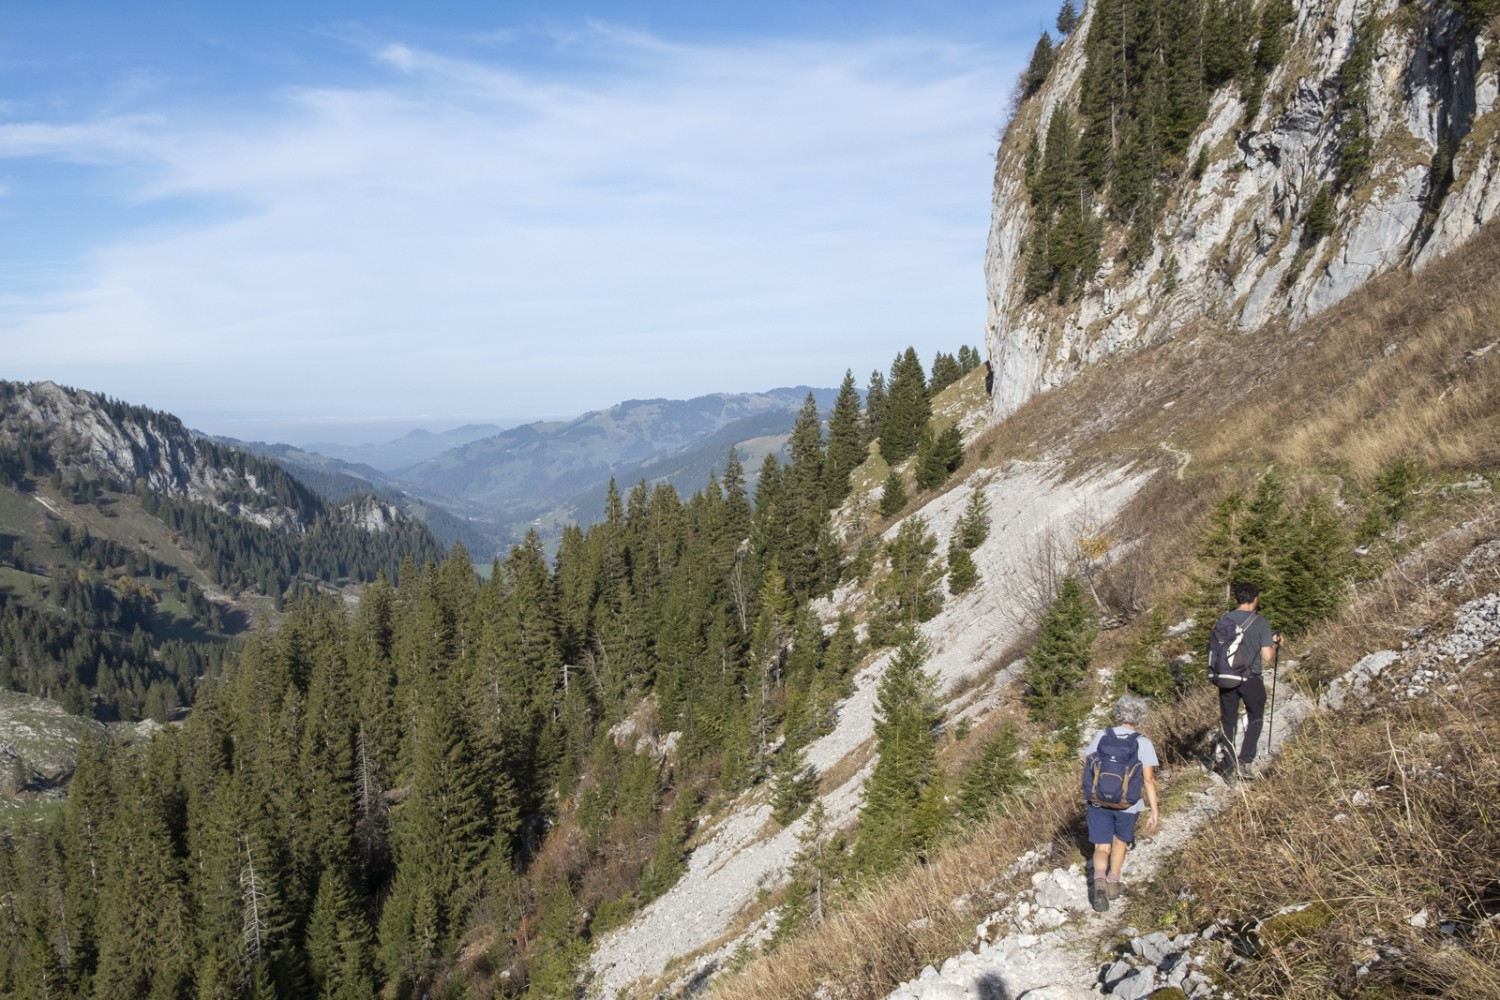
<point x="128" y="448"/>
<point x="1238" y="244"/>
<point x="93" y="436"/>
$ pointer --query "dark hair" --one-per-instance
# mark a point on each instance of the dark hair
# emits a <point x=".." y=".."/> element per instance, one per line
<point x="1244" y="592"/>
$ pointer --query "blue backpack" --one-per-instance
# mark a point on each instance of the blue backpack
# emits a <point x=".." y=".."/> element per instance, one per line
<point x="1112" y="774"/>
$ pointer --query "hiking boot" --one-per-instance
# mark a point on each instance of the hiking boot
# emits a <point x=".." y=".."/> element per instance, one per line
<point x="1113" y="888"/>
<point x="1247" y="772"/>
<point x="1098" y="895"/>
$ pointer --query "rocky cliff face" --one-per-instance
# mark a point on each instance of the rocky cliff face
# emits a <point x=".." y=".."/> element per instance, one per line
<point x="1234" y="245"/>
<point x="96" y="437"/>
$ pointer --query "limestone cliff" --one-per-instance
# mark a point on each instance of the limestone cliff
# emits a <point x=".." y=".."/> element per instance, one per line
<point x="85" y="435"/>
<point x="1234" y="244"/>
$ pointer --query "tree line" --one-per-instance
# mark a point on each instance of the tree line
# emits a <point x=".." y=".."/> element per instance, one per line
<point x="362" y="789"/>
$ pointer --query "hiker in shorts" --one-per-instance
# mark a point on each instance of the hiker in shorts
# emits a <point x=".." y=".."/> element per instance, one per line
<point x="1252" y="691"/>
<point x="1112" y="831"/>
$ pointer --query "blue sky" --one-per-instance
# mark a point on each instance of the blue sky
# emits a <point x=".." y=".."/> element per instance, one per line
<point x="274" y="217"/>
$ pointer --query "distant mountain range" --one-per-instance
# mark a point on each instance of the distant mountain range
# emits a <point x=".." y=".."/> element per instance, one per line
<point x="545" y="474"/>
<point x="486" y="487"/>
<point x="405" y="451"/>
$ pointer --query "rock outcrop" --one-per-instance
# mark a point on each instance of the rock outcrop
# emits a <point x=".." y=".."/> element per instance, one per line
<point x="126" y="448"/>
<point x="1231" y="247"/>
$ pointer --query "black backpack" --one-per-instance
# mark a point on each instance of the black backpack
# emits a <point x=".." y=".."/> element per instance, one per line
<point x="1112" y="773"/>
<point x="1230" y="659"/>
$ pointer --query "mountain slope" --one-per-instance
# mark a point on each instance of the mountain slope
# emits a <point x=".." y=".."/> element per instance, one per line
<point x="336" y="481"/>
<point x="1368" y="144"/>
<point x="1392" y="374"/>
<point x="526" y="471"/>
<point x="131" y="552"/>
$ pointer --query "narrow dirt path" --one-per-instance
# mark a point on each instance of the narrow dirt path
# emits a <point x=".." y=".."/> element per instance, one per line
<point x="1052" y="949"/>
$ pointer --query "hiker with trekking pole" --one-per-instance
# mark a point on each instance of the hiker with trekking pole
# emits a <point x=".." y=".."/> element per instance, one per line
<point x="1240" y="647"/>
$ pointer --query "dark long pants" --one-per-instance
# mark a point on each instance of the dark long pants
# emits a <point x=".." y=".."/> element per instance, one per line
<point x="1253" y="694"/>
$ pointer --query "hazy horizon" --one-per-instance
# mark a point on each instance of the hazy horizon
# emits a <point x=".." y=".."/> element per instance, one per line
<point x="545" y="207"/>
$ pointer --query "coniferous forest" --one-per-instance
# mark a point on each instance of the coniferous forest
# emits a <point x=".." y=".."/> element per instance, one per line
<point x="117" y="627"/>
<point x="460" y="763"/>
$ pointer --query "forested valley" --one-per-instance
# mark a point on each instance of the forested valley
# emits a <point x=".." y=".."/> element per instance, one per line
<point x="455" y="765"/>
<point x="105" y="599"/>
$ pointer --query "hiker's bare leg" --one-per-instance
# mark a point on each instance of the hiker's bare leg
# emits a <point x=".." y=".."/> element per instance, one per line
<point x="1116" y="858"/>
<point x="1101" y="859"/>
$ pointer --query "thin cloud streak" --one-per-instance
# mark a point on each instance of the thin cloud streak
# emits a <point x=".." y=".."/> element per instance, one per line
<point x="493" y="237"/>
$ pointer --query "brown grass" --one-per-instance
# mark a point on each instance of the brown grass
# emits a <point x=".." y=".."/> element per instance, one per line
<point x="878" y="938"/>
<point x="1329" y="404"/>
<point x="890" y="928"/>
<point x="1370" y="818"/>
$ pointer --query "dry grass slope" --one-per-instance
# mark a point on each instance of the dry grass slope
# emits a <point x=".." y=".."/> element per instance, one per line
<point x="1408" y="367"/>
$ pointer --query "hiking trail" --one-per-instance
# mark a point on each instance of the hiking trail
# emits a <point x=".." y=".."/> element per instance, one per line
<point x="1051" y="943"/>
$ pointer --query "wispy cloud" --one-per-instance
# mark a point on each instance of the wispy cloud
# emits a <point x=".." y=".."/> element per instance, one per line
<point x="498" y="236"/>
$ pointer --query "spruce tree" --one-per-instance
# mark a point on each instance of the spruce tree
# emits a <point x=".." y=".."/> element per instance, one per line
<point x="908" y="594"/>
<point x="962" y="573"/>
<point x="811" y="875"/>
<point x="767" y="652"/>
<point x="945" y="371"/>
<point x="669" y="858"/>
<point x="1057" y="176"/>
<point x="938" y="457"/>
<point x="144" y="950"/>
<point x="907" y="408"/>
<point x="892" y="495"/>
<point x="444" y="827"/>
<point x="894" y="826"/>
<point x="794" y="785"/>
<point x="1320" y="219"/>
<point x="996" y="774"/>
<point x="973" y="525"/>
<point x="806" y="551"/>
<point x="1314" y="567"/>
<point x="340" y="949"/>
<point x="1040" y="65"/>
<point x="874" y="405"/>
<point x="1067" y="18"/>
<point x="846" y="442"/>
<point x="1057" y="665"/>
<point x="1144" y="670"/>
<point x="737" y="510"/>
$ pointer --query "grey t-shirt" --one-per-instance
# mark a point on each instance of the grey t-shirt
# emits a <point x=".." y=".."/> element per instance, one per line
<point x="1257" y="636"/>
<point x="1144" y="749"/>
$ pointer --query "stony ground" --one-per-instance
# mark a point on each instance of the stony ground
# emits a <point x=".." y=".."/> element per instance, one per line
<point x="39" y="746"/>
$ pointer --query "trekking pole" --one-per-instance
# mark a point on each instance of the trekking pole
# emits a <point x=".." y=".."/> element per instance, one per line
<point x="1275" y="675"/>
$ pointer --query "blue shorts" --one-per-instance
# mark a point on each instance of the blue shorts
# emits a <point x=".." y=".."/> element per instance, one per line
<point x="1108" y="825"/>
